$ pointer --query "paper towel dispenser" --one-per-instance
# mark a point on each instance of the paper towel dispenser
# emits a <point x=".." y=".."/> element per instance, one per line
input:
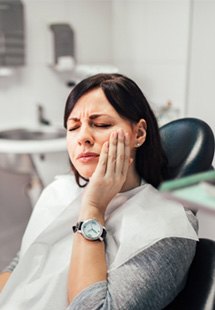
<point x="64" y="46"/>
<point x="12" y="33"/>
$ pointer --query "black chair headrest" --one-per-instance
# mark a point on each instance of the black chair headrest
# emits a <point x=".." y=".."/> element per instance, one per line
<point x="189" y="146"/>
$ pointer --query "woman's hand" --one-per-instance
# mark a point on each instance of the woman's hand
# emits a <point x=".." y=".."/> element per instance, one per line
<point x="109" y="175"/>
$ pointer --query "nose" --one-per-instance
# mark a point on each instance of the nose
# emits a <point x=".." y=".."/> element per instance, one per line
<point x="85" y="136"/>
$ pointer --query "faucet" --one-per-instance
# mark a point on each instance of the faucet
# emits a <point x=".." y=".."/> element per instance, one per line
<point x="40" y="113"/>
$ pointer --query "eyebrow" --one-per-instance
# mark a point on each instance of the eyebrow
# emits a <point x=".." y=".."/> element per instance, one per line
<point x="92" y="116"/>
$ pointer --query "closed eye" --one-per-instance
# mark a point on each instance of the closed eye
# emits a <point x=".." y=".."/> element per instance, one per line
<point x="99" y="125"/>
<point x="102" y="125"/>
<point x="73" y="128"/>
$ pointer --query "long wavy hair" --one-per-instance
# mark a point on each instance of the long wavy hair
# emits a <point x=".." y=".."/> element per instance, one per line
<point x="128" y="100"/>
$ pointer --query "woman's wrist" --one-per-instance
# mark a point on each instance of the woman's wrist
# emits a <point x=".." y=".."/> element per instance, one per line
<point x="91" y="212"/>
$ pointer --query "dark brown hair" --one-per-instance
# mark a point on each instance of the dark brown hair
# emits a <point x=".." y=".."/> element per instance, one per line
<point x="129" y="101"/>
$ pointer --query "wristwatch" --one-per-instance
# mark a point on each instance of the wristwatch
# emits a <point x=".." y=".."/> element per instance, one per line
<point x="91" y="230"/>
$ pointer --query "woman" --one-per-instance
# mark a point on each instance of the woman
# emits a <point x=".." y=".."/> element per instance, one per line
<point x="130" y="248"/>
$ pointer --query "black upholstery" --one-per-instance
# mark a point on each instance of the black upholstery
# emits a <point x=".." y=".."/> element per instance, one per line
<point x="189" y="145"/>
<point x="199" y="292"/>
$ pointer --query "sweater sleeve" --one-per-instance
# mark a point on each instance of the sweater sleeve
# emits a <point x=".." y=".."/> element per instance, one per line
<point x="149" y="281"/>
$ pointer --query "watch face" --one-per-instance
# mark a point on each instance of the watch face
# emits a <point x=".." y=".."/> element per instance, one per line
<point x="91" y="229"/>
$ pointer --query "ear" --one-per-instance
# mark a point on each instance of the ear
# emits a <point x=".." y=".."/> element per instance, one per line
<point x="140" y="130"/>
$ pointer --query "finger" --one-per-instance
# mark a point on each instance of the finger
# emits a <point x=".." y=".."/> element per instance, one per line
<point x="127" y="155"/>
<point x="120" y="156"/>
<point x="102" y="163"/>
<point x="111" y="162"/>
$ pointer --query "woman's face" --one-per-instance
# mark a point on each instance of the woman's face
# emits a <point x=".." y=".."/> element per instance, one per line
<point x="89" y="126"/>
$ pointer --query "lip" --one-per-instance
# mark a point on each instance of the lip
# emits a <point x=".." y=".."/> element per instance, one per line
<point x="85" y="157"/>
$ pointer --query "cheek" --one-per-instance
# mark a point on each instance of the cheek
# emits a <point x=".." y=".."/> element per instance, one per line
<point x="100" y="138"/>
<point x="103" y="138"/>
<point x="70" y="147"/>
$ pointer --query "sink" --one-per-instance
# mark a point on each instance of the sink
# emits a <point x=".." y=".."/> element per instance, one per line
<point x="37" y="150"/>
<point x="32" y="134"/>
<point x="32" y="140"/>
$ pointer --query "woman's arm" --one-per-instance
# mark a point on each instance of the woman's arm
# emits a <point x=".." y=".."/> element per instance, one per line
<point x="88" y="263"/>
<point x="150" y="280"/>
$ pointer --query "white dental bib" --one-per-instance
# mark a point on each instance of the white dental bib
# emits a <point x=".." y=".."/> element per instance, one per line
<point x="135" y="220"/>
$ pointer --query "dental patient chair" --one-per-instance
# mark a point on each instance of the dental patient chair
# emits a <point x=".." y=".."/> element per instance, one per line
<point x="189" y="145"/>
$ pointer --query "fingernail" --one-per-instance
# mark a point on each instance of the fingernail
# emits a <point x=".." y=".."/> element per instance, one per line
<point x="121" y="133"/>
<point x="131" y="161"/>
<point x="106" y="144"/>
<point x="127" y="137"/>
<point x="114" y="134"/>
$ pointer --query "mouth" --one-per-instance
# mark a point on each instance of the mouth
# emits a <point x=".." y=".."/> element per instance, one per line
<point x="86" y="157"/>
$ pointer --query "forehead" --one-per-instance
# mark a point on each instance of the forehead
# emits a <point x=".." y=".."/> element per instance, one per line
<point x="92" y="102"/>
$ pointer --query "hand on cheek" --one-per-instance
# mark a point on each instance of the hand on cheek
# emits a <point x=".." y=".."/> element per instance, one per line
<point x="110" y="173"/>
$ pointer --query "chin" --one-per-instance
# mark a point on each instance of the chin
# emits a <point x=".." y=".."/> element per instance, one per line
<point x="86" y="173"/>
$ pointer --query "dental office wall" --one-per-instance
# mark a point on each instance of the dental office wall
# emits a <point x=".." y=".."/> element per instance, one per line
<point x="167" y="46"/>
<point x="38" y="82"/>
